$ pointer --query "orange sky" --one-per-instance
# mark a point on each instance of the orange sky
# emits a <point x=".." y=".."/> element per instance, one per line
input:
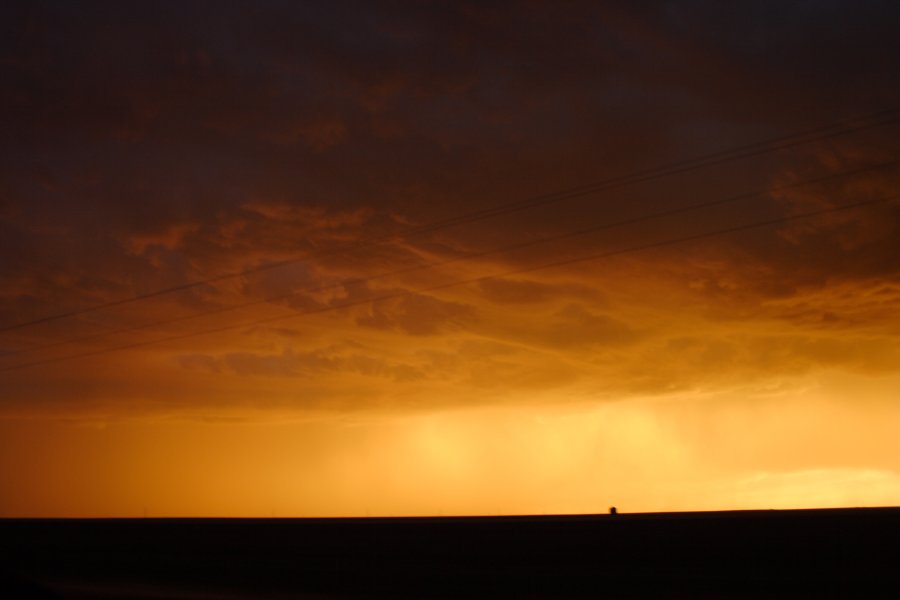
<point x="455" y="370"/>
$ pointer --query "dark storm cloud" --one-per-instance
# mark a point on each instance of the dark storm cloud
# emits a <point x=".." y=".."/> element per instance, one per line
<point x="148" y="144"/>
<point x="150" y="114"/>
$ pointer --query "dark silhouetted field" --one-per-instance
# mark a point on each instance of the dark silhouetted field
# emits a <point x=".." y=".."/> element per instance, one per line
<point x="852" y="553"/>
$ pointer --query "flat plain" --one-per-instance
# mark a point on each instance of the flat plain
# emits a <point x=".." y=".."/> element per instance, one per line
<point x="835" y="553"/>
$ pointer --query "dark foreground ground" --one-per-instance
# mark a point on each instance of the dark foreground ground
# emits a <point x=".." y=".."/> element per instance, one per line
<point x="852" y="553"/>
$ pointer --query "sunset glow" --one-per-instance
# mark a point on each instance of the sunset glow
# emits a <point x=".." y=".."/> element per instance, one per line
<point x="345" y="259"/>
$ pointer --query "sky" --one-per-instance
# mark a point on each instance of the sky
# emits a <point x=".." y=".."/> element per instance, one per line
<point x="420" y="258"/>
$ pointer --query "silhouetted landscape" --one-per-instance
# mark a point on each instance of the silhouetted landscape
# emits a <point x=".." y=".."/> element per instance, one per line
<point x="348" y="257"/>
<point x="839" y="553"/>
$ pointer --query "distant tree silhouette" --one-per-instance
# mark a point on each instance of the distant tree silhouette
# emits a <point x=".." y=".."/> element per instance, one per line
<point x="613" y="510"/>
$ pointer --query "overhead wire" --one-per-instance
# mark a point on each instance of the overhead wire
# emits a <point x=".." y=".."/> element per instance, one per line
<point x="843" y="127"/>
<point x="468" y="256"/>
<point x="462" y="282"/>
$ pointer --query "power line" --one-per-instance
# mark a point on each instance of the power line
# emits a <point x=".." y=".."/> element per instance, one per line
<point x="457" y="283"/>
<point x="470" y="255"/>
<point x="840" y="128"/>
